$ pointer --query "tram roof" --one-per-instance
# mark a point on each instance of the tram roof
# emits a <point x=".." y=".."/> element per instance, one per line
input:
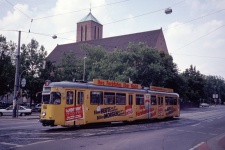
<point x="68" y="84"/>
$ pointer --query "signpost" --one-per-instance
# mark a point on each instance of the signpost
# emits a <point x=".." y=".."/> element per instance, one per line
<point x="215" y="97"/>
<point x="23" y="82"/>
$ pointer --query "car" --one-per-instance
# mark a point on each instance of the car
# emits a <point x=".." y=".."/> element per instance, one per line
<point x="204" y="105"/>
<point x="4" y="105"/>
<point x="38" y="107"/>
<point x="22" y="111"/>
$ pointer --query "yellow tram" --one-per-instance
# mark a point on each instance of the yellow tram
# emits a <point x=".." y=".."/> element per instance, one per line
<point x="78" y="103"/>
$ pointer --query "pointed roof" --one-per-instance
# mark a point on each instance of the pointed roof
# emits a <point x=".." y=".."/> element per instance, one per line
<point x="154" y="39"/>
<point x="89" y="17"/>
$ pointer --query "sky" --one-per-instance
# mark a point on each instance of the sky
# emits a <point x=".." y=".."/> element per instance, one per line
<point x="194" y="31"/>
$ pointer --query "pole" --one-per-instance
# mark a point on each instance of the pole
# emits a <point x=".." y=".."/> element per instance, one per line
<point x="84" y="69"/>
<point x="16" y="86"/>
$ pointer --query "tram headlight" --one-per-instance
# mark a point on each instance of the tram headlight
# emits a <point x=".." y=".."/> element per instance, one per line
<point x="43" y="113"/>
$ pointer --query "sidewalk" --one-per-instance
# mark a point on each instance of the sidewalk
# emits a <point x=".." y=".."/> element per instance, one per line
<point x="34" y="115"/>
<point x="216" y="143"/>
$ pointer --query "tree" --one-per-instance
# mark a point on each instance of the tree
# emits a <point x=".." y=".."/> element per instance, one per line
<point x="7" y="71"/>
<point x="69" y="68"/>
<point x="140" y="63"/>
<point x="194" y="84"/>
<point x="214" y="85"/>
<point x="32" y="61"/>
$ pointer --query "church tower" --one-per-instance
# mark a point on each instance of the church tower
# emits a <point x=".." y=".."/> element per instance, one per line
<point x="89" y="28"/>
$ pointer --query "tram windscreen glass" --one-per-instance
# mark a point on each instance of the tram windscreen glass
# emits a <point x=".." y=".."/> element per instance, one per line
<point x="55" y="98"/>
<point x="45" y="99"/>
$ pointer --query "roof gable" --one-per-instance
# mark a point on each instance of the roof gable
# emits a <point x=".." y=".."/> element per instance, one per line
<point x="154" y="39"/>
<point x="89" y="17"/>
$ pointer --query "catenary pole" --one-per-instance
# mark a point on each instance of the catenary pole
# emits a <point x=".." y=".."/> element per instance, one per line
<point x="16" y="86"/>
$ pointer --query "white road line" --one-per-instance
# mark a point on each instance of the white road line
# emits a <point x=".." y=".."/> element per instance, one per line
<point x="195" y="124"/>
<point x="197" y="146"/>
<point x="37" y="143"/>
<point x="194" y="132"/>
<point x="12" y="144"/>
<point x="15" y="127"/>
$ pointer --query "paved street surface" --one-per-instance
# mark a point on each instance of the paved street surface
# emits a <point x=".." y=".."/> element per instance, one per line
<point x="196" y="129"/>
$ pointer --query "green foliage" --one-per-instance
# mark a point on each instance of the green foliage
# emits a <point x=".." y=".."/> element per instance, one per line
<point x="7" y="71"/>
<point x="194" y="82"/>
<point x="31" y="67"/>
<point x="69" y="67"/>
<point x="138" y="62"/>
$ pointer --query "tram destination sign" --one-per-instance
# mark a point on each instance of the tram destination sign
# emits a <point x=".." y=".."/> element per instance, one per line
<point x="116" y="84"/>
<point x="161" y="89"/>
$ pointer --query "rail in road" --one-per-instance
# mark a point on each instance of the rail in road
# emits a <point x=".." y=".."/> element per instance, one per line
<point x="22" y="133"/>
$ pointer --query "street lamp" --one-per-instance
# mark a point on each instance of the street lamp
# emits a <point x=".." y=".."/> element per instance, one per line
<point x="84" y="68"/>
<point x="16" y="86"/>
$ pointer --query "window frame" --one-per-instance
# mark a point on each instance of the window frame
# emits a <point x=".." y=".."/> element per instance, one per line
<point x="121" y="97"/>
<point x="98" y="101"/>
<point x="109" y="98"/>
<point x="139" y="99"/>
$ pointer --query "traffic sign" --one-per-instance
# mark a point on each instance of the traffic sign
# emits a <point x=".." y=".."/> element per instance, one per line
<point x="23" y="82"/>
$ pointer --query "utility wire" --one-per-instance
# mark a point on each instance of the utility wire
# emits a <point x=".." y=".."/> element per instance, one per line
<point x="18" y="9"/>
<point x="201" y="56"/>
<point x="196" y="19"/>
<point x="79" y="10"/>
<point x="199" y="38"/>
<point x="135" y="17"/>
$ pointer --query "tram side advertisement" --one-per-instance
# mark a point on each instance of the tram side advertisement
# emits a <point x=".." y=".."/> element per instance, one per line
<point x="74" y="113"/>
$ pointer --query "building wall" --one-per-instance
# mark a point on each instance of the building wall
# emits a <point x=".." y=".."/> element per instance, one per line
<point x="161" y="43"/>
<point x="89" y="30"/>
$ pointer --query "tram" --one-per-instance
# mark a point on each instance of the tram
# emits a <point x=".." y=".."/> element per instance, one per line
<point x="71" y="104"/>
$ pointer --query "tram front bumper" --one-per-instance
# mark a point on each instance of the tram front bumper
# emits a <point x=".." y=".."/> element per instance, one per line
<point x="47" y="122"/>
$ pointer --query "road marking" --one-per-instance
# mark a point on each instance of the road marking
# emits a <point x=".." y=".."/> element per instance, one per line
<point x="4" y="143"/>
<point x="15" y="127"/>
<point x="37" y="143"/>
<point x="197" y="146"/>
<point x="193" y="132"/>
<point x="195" y="124"/>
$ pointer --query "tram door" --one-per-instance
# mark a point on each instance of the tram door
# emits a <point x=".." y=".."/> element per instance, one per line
<point x="130" y="110"/>
<point x="70" y="107"/>
<point x="79" y="112"/>
<point x="160" y="107"/>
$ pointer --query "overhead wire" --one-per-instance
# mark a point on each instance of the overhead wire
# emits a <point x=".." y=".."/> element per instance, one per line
<point x="79" y="10"/>
<point x="200" y="37"/>
<point x="127" y="19"/>
<point x="18" y="9"/>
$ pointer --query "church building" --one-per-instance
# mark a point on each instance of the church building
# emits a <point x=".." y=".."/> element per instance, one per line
<point x="90" y="31"/>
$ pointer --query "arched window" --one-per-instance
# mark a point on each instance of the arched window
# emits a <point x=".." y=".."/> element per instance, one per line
<point x="81" y="37"/>
<point x="85" y="32"/>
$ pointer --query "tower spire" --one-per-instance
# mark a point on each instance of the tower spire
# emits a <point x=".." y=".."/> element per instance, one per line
<point x="90" y="6"/>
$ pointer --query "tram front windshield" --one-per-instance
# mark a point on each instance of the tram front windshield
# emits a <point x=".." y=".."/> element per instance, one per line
<point x="52" y="98"/>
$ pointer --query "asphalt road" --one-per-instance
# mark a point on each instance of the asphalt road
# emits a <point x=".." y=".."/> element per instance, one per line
<point x="197" y="128"/>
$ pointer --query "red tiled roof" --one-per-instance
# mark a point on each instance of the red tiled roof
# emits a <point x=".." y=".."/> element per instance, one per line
<point x="153" y="39"/>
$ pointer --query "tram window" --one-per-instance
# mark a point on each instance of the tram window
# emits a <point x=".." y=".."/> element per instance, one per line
<point x="109" y="98"/>
<point x="96" y="98"/>
<point x="130" y="99"/>
<point x="139" y="99"/>
<point x="80" y="97"/>
<point x="153" y="100"/>
<point x="69" y="99"/>
<point x="160" y="100"/>
<point x="55" y="98"/>
<point x="174" y="101"/>
<point x="168" y="101"/>
<point x="120" y="98"/>
<point x="46" y="99"/>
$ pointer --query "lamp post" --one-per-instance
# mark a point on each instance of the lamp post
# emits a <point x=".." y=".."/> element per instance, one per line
<point x="84" y="69"/>
<point x="16" y="86"/>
